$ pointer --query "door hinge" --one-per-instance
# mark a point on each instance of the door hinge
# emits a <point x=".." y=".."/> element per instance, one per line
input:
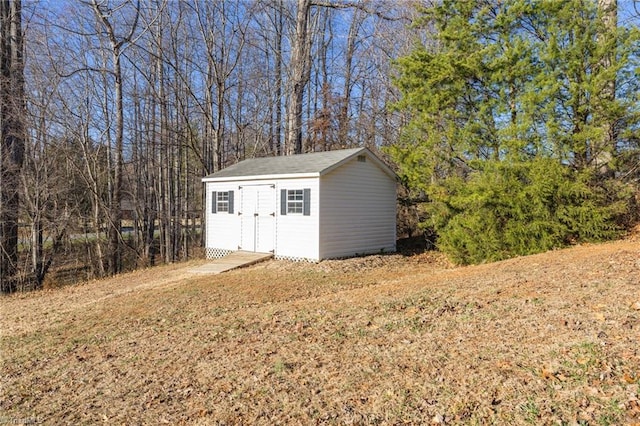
<point x="255" y="214"/>
<point x="239" y="213"/>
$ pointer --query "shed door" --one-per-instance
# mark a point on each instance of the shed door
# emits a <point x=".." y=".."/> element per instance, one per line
<point x="257" y="218"/>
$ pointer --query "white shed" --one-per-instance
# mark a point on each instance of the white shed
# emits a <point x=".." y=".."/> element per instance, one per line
<point x="303" y="207"/>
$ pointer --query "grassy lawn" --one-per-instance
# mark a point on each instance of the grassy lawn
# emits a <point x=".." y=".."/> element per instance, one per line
<point x="546" y="339"/>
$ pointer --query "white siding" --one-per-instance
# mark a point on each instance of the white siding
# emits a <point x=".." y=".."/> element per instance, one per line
<point x="352" y="211"/>
<point x="358" y="210"/>
<point x="223" y="229"/>
<point x="296" y="234"/>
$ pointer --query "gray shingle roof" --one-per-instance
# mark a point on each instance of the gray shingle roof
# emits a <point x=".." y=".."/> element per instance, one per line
<point x="316" y="162"/>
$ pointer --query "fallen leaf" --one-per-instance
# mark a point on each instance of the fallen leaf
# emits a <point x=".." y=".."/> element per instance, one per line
<point x="547" y="373"/>
<point x="438" y="419"/>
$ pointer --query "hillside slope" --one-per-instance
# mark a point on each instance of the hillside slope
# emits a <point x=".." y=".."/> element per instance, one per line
<point x="376" y="340"/>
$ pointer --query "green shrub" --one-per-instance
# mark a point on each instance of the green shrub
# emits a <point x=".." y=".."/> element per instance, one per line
<point x="511" y="208"/>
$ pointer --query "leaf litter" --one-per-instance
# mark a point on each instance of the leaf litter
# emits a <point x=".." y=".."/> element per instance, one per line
<point x="387" y="339"/>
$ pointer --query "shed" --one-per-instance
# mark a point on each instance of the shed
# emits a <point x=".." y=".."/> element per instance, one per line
<point x="303" y="207"/>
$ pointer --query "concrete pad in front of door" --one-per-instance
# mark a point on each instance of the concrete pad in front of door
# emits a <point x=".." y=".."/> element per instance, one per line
<point x="234" y="260"/>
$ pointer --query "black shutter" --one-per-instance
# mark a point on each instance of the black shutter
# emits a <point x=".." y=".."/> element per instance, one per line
<point x="214" y="201"/>
<point x="306" y="206"/>
<point x="230" y="202"/>
<point x="283" y="202"/>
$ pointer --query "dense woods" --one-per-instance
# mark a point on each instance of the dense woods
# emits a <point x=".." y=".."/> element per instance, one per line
<point x="129" y="103"/>
<point x="113" y="110"/>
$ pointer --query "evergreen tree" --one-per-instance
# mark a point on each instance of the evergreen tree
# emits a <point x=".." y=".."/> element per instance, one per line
<point x="518" y="124"/>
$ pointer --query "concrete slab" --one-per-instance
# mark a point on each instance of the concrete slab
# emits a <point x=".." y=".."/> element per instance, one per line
<point x="234" y="260"/>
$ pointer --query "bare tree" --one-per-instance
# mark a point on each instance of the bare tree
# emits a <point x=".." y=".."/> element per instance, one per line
<point x="154" y="94"/>
<point x="300" y="66"/>
<point x="46" y="182"/>
<point x="350" y="50"/>
<point x="277" y="127"/>
<point x="117" y="44"/>
<point x="12" y="137"/>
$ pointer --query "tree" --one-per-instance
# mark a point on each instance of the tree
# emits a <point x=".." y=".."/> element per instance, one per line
<point x="12" y="137"/>
<point x="131" y="102"/>
<point x="503" y="88"/>
<point x="299" y="77"/>
<point x="47" y="180"/>
<point x="117" y="45"/>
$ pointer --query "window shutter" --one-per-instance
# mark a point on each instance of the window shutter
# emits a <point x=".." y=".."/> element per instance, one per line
<point x="230" y="202"/>
<point x="283" y="202"/>
<point x="306" y="207"/>
<point x="214" y="201"/>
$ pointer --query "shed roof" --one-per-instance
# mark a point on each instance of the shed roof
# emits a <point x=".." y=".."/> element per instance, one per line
<point x="311" y="164"/>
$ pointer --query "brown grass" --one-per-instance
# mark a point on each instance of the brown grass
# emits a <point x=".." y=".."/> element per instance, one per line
<point x="546" y="339"/>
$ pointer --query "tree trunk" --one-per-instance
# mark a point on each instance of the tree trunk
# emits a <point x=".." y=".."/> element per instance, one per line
<point x="12" y="138"/>
<point x="343" y="119"/>
<point x="603" y="153"/>
<point x="278" y="60"/>
<point x="300" y="65"/>
<point x="115" y="201"/>
<point x="115" y="210"/>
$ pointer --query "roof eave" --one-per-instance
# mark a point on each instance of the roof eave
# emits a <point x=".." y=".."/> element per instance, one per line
<point x="260" y="177"/>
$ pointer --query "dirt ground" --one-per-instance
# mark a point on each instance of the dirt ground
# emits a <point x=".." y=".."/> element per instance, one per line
<point x="545" y="339"/>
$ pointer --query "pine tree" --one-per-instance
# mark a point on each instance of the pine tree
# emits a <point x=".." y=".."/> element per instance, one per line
<point x="514" y="116"/>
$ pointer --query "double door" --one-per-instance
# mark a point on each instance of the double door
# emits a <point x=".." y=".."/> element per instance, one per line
<point x="257" y="218"/>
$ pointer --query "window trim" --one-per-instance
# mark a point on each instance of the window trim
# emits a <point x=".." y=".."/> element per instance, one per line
<point x="302" y="206"/>
<point x="295" y="201"/>
<point x="219" y="204"/>
<point x="222" y="202"/>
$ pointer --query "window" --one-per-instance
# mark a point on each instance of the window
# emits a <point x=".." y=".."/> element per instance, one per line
<point x="222" y="202"/>
<point x="295" y="200"/>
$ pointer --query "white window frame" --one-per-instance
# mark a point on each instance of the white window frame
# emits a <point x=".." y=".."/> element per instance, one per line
<point x="295" y="201"/>
<point x="222" y="202"/>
